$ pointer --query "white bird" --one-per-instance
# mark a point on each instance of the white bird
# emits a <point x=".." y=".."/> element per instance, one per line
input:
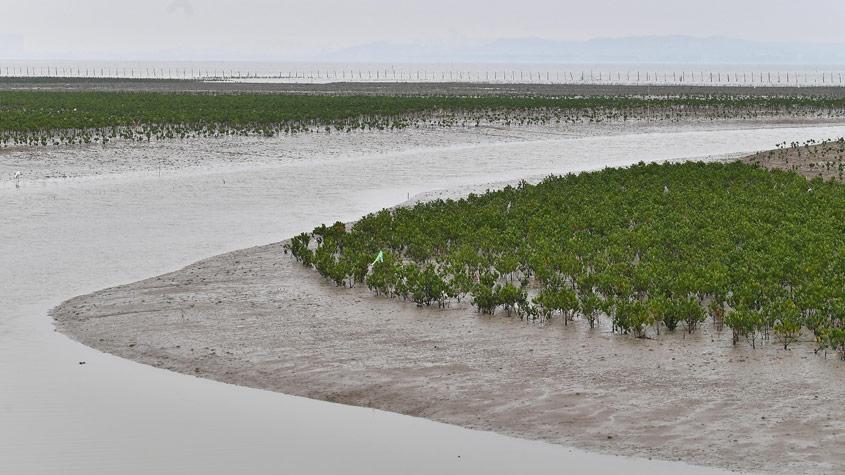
<point x="18" y="175"/>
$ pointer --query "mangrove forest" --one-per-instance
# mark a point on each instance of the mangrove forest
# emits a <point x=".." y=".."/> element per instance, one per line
<point x="74" y="117"/>
<point x="646" y="249"/>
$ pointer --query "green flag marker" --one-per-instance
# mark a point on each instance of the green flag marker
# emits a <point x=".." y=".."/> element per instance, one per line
<point x="379" y="257"/>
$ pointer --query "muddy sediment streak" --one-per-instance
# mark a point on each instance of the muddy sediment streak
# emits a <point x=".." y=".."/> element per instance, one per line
<point x="412" y="88"/>
<point x="257" y="318"/>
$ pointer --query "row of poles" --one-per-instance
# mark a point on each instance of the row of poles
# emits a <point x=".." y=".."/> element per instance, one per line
<point x="503" y="76"/>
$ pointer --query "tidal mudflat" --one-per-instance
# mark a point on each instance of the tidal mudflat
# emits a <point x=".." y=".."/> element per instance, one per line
<point x="255" y="318"/>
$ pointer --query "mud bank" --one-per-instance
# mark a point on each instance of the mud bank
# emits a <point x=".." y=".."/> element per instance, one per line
<point x="410" y="88"/>
<point x="256" y="318"/>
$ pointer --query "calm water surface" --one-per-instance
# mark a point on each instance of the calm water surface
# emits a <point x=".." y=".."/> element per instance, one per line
<point x="62" y="238"/>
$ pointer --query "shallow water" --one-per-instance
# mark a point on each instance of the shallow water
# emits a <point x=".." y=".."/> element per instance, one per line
<point x="61" y="238"/>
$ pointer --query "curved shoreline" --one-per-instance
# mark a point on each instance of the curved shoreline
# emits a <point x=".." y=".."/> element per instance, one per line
<point x="373" y="359"/>
<point x="113" y="414"/>
<point x="256" y="318"/>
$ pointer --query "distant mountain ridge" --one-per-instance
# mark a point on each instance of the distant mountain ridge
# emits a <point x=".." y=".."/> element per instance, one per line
<point x="645" y="49"/>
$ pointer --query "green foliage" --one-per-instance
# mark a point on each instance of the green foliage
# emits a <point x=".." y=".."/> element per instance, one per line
<point x="552" y="300"/>
<point x="52" y="117"/>
<point x="750" y="247"/>
<point x="631" y="317"/>
<point x="833" y="339"/>
<point x="298" y="246"/>
<point x="485" y="295"/>
<point x="671" y="313"/>
<point x="590" y="308"/>
<point x="428" y="287"/>
<point x="787" y="321"/>
<point x="512" y="297"/>
<point x="692" y="313"/>
<point x="745" y="323"/>
<point x="382" y="280"/>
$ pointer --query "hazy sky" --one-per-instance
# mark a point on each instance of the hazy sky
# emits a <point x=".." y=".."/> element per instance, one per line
<point x="264" y="29"/>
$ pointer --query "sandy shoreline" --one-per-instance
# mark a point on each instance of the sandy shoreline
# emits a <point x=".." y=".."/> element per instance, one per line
<point x="255" y="318"/>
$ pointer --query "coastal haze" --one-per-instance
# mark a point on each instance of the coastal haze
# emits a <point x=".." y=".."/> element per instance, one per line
<point x="262" y="30"/>
<point x="648" y="42"/>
